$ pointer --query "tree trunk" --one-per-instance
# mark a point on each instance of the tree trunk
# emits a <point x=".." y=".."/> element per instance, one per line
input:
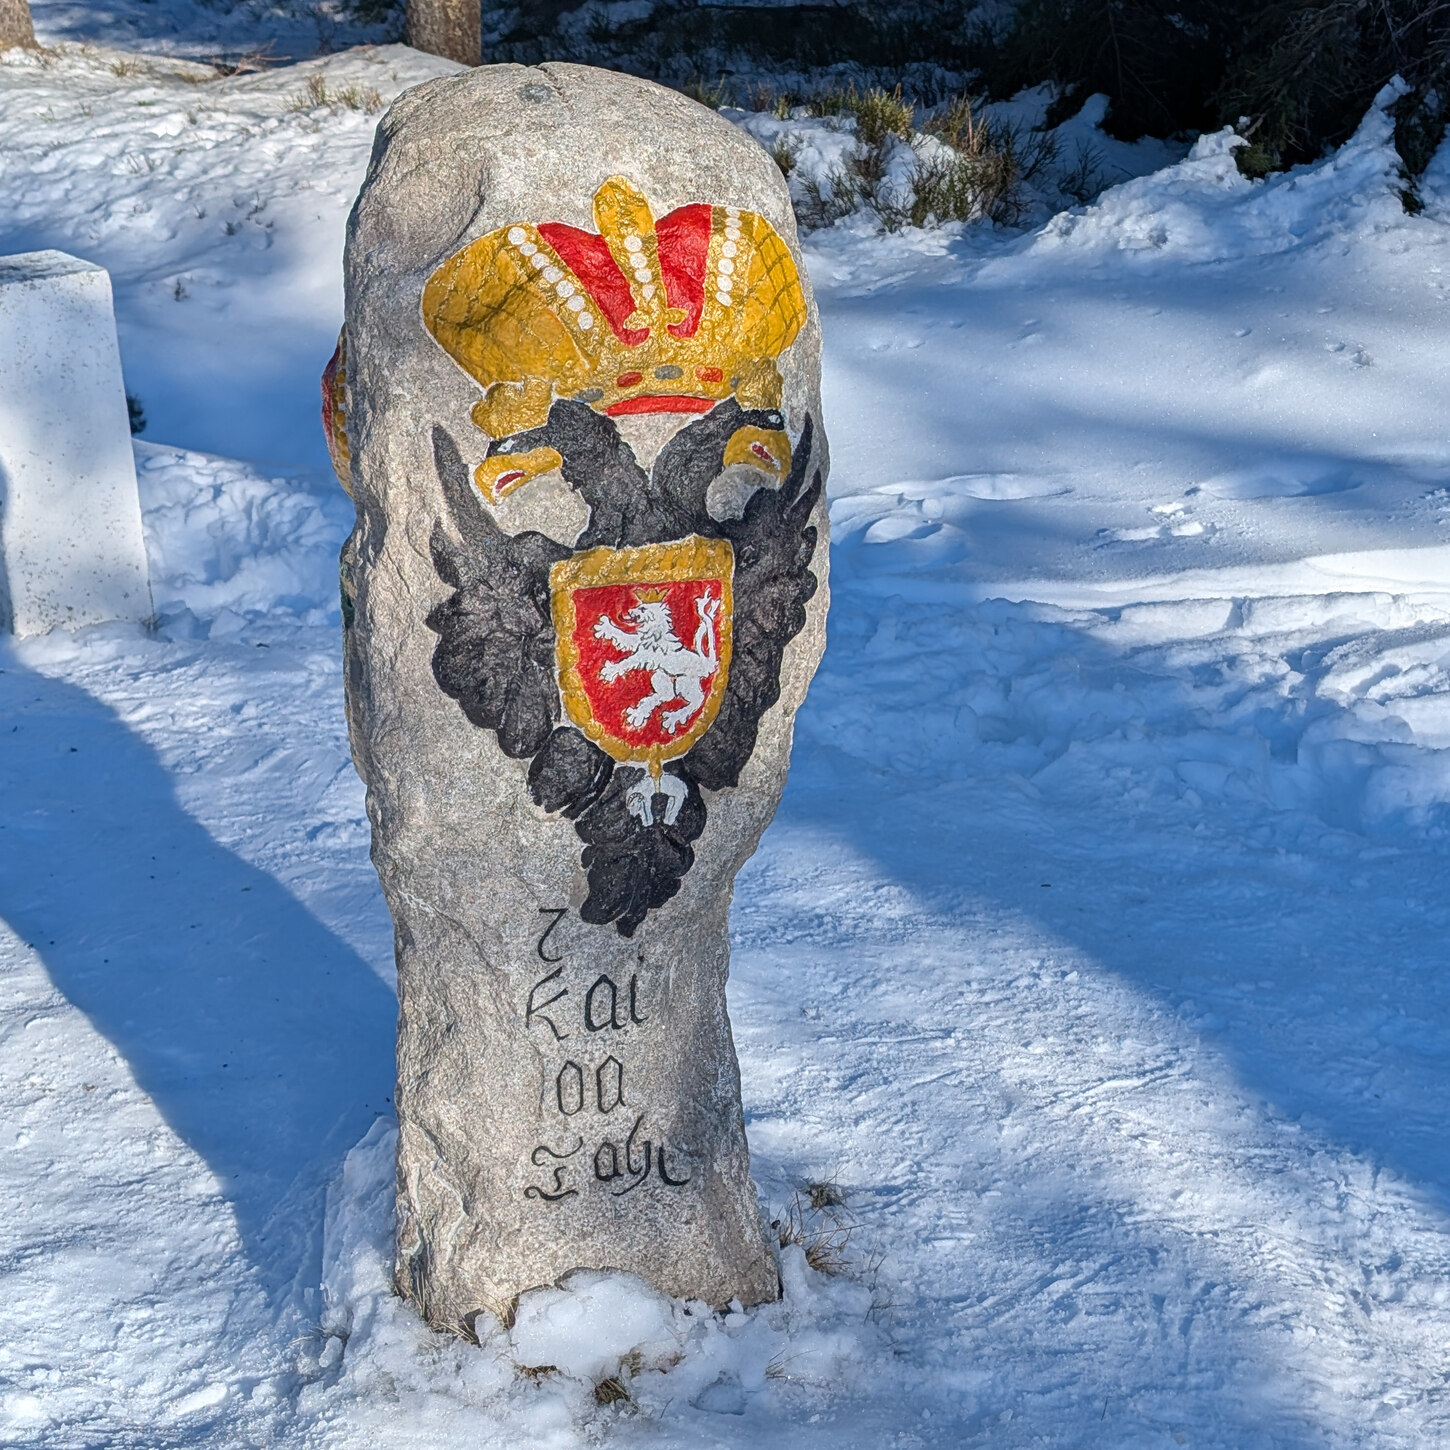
<point x="451" y="28"/>
<point x="15" y="26"/>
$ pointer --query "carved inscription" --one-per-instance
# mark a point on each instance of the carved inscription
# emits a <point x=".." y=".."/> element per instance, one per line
<point x="586" y="1088"/>
<point x="609" y="1084"/>
<point x="634" y="1163"/>
<point x="540" y="1158"/>
<point x="569" y="1088"/>
<point x="558" y="913"/>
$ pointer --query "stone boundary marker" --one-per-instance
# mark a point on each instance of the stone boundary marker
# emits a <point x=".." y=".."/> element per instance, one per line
<point x="71" y="547"/>
<point x="577" y="404"/>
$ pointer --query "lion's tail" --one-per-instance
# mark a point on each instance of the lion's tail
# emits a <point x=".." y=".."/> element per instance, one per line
<point x="707" y="608"/>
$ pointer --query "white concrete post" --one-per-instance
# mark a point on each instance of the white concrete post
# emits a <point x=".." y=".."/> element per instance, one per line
<point x="71" y="547"/>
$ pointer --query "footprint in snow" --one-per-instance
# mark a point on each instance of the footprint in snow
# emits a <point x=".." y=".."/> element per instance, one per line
<point x="1284" y="476"/>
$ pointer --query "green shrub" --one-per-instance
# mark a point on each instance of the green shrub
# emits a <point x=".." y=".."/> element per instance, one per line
<point x="784" y="156"/>
<point x="819" y="206"/>
<point x="1307" y="72"/>
<point x="881" y="114"/>
<point x="977" y="174"/>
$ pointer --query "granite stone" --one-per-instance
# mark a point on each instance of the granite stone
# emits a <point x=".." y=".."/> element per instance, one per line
<point x="577" y="406"/>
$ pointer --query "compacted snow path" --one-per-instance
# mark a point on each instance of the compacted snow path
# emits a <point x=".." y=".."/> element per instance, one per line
<point x="1094" y="956"/>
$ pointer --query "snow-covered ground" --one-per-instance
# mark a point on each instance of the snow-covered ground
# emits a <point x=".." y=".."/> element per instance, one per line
<point x="1095" y="951"/>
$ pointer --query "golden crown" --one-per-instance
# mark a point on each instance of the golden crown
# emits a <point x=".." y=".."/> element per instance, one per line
<point x="639" y="317"/>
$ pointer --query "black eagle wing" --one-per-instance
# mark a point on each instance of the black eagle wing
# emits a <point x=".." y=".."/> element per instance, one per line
<point x="633" y="868"/>
<point x="495" y="652"/>
<point x="774" y="543"/>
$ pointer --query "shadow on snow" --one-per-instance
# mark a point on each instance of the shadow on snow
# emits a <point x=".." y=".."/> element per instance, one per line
<point x="263" y="1040"/>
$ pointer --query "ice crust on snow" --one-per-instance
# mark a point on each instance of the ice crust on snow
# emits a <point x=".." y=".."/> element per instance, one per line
<point x="1096" y="951"/>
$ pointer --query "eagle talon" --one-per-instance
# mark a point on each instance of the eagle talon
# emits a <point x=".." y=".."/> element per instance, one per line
<point x="639" y="798"/>
<point x="675" y="793"/>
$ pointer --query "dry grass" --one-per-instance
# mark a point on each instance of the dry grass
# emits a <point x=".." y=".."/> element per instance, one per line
<point x="317" y="96"/>
<point x="780" y="1369"/>
<point x="877" y="113"/>
<point x="778" y="103"/>
<point x="1085" y="179"/>
<point x="611" y="1391"/>
<point x="824" y="1195"/>
<point x="982" y="179"/>
<point x="713" y="96"/>
<point x="249" y="63"/>
<point x="819" y="1231"/>
<point x="964" y="189"/>
<point x="822" y="206"/>
<point x="976" y="174"/>
<point x="313" y="96"/>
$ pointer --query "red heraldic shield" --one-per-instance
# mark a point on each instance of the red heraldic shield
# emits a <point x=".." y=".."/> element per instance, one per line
<point x="644" y="640"/>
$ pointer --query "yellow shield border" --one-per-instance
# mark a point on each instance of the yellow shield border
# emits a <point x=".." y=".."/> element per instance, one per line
<point x="691" y="558"/>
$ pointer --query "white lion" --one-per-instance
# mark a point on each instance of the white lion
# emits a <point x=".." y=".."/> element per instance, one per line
<point x="675" y="673"/>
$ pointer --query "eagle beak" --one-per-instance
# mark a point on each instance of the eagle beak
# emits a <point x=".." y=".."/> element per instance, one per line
<point x="504" y="472"/>
<point x="767" y="449"/>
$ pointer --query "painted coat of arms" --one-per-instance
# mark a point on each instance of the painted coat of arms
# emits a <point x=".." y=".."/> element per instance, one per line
<point x="630" y="667"/>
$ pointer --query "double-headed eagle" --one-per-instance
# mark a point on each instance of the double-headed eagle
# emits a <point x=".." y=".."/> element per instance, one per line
<point x="496" y="652"/>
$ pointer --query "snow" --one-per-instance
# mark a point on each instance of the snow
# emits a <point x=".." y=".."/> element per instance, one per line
<point x="1094" y="955"/>
<point x="218" y="204"/>
<point x="230" y="543"/>
<point x="1203" y="210"/>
